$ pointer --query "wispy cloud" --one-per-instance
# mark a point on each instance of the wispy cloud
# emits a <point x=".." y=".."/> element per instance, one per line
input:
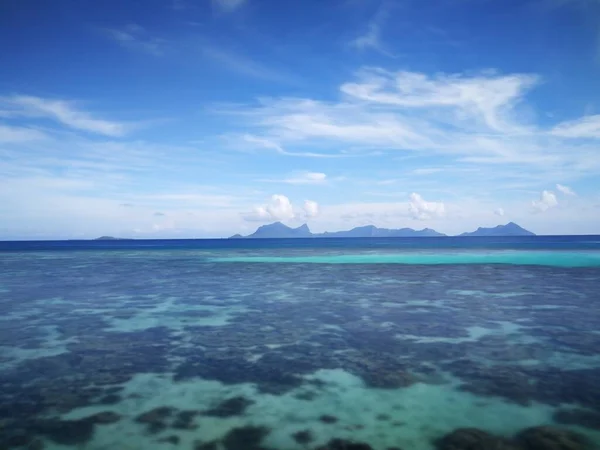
<point x="134" y="37"/>
<point x="427" y="170"/>
<point x="565" y="189"/>
<point x="243" y="65"/>
<point x="486" y="97"/>
<point x="251" y="141"/>
<point x="60" y="111"/>
<point x="471" y="119"/>
<point x="301" y="178"/>
<point x="585" y="127"/>
<point x="228" y="5"/>
<point x="371" y="38"/>
<point x="13" y="134"/>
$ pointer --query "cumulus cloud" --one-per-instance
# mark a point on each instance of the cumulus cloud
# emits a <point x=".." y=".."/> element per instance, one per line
<point x="278" y="208"/>
<point x="311" y="209"/>
<point x="547" y="200"/>
<point x="499" y="212"/>
<point x="565" y="189"/>
<point x="421" y="210"/>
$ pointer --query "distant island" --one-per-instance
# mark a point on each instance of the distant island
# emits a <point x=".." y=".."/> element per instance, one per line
<point x="278" y="230"/>
<point x="110" y="238"/>
<point x="510" y="229"/>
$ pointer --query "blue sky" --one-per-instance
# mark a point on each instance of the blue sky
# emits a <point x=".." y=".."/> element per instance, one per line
<point x="181" y="118"/>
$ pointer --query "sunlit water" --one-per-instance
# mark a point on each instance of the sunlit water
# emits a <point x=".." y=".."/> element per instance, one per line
<point x="234" y="346"/>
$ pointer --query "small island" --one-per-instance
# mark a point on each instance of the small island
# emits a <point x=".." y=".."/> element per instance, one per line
<point x="110" y="238"/>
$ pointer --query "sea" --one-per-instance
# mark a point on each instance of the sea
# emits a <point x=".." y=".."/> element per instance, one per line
<point x="452" y="343"/>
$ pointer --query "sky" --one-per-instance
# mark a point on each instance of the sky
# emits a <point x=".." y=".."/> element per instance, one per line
<point x="205" y="118"/>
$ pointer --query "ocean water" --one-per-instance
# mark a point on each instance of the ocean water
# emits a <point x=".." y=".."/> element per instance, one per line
<point x="301" y="344"/>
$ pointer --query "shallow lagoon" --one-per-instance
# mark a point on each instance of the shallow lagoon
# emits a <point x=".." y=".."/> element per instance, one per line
<point x="291" y="349"/>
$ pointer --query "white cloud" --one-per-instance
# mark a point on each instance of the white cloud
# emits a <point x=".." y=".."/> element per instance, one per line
<point x="248" y="140"/>
<point x="311" y="209"/>
<point x="9" y="134"/>
<point x="278" y="208"/>
<point x="484" y="96"/>
<point x="228" y="5"/>
<point x="370" y="39"/>
<point x="448" y="114"/>
<point x="386" y="182"/>
<point x="61" y="111"/>
<point x="136" y="38"/>
<point x="304" y="178"/>
<point x="422" y="210"/>
<point x="427" y="170"/>
<point x="585" y="127"/>
<point x="480" y="119"/>
<point x="499" y="212"/>
<point x="547" y="200"/>
<point x="565" y="189"/>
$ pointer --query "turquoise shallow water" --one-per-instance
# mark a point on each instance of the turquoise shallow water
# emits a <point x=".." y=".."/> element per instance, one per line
<point x="542" y="258"/>
<point x="290" y="345"/>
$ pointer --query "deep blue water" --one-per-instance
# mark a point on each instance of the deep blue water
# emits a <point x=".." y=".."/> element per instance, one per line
<point x="419" y="344"/>
<point x="588" y="242"/>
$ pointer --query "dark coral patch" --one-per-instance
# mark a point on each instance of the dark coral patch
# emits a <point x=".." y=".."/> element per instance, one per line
<point x="155" y="415"/>
<point x="110" y="399"/>
<point x="551" y="438"/>
<point x="103" y="418"/>
<point x="473" y="439"/>
<point x="245" y="438"/>
<point x="213" y="445"/>
<point x="343" y="444"/>
<point x="170" y="440"/>
<point x="36" y="444"/>
<point x="155" y="419"/>
<point x="66" y="432"/>
<point x="303" y="436"/>
<point x="326" y="418"/>
<point x="235" y="406"/>
<point x="185" y="420"/>
<point x="581" y="417"/>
